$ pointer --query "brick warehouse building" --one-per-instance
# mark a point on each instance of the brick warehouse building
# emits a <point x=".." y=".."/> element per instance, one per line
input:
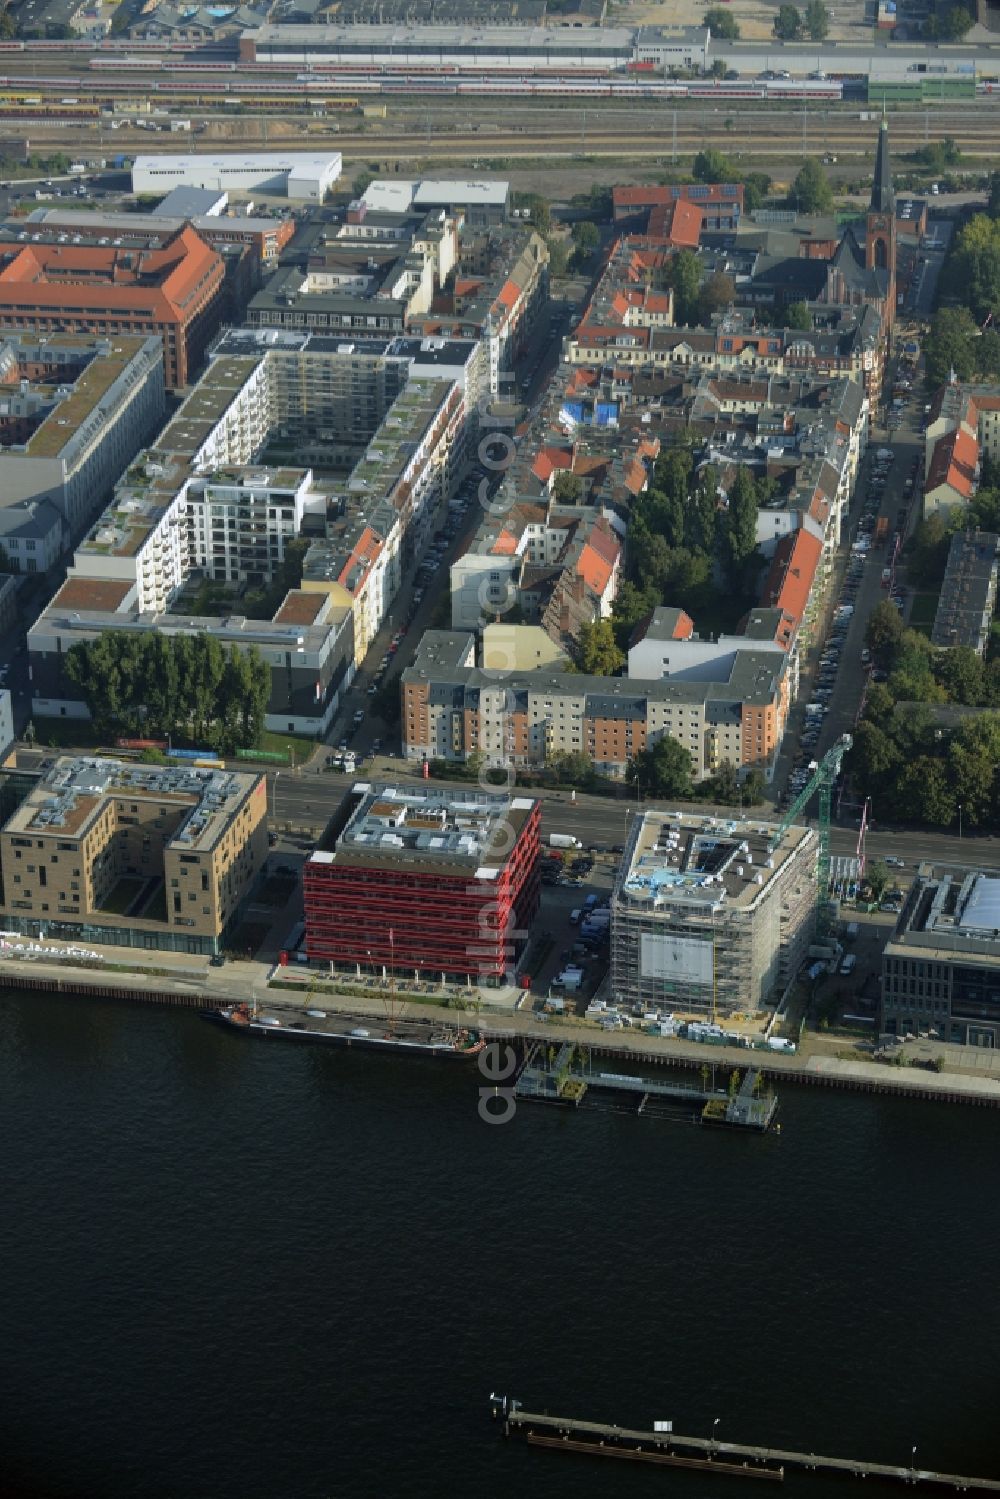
<point x="173" y="290"/>
<point x="424" y="881"/>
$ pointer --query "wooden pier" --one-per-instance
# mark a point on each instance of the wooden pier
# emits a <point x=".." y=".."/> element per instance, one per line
<point x="738" y="1459"/>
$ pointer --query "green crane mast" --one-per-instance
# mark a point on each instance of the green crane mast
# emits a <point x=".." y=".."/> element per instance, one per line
<point x="821" y="780"/>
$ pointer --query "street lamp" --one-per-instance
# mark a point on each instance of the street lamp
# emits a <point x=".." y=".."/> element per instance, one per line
<point x="960" y="819"/>
<point x="715" y="1439"/>
<point x="274" y="791"/>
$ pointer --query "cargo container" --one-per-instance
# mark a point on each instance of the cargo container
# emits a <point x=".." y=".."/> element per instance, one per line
<point x="882" y="528"/>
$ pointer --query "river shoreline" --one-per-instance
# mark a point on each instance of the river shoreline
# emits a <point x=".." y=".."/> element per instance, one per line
<point x="190" y="991"/>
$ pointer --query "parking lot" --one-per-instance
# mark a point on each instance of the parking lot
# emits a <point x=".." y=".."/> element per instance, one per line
<point x="575" y="885"/>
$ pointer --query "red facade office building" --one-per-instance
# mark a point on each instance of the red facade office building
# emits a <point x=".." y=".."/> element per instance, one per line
<point x="420" y="882"/>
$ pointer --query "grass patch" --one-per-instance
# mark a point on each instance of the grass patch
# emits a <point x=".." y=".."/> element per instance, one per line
<point x="280" y="744"/>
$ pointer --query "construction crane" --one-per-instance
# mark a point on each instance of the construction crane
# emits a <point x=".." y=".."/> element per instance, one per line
<point x="822" y="778"/>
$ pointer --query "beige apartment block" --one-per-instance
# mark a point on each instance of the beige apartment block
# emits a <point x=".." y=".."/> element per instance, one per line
<point x="134" y="855"/>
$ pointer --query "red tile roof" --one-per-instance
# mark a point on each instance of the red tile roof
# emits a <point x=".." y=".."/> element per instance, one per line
<point x="790" y="576"/>
<point x="953" y="463"/>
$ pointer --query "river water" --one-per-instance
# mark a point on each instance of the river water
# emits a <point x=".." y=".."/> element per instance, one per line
<point x="235" y="1270"/>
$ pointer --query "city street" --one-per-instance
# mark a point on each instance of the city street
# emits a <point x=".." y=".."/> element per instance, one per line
<point x="306" y="801"/>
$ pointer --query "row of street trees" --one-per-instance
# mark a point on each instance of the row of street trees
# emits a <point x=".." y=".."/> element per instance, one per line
<point x="790" y="24"/>
<point x="963" y="335"/>
<point x="172" y="686"/>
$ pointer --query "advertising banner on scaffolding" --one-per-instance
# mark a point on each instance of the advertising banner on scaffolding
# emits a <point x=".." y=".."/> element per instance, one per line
<point x="679" y="959"/>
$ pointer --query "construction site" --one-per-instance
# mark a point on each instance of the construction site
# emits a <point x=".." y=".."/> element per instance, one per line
<point x="715" y="916"/>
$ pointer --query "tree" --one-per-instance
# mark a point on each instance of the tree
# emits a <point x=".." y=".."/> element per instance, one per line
<point x="722" y="24"/>
<point x="361" y="182"/>
<point x="630" y="606"/>
<point x="558" y="256"/>
<point x="884" y="632"/>
<point x="664" y="770"/>
<point x="570" y="768"/>
<point x="712" y="166"/>
<point x="756" y="186"/>
<point x="183" y="686"/>
<point x="928" y="551"/>
<point x="597" y="651"/>
<point x="586" y="237"/>
<point x="956" y="23"/>
<point x="566" y="487"/>
<point x="718" y="292"/>
<point x="753" y="788"/>
<point x="947" y="346"/>
<point x="925" y="793"/>
<point x="811" y="191"/>
<point x="993" y="206"/>
<point x="878" y="877"/>
<point x="538" y="209"/>
<point x="702" y="512"/>
<point x="817" y="20"/>
<point x="797" y="315"/>
<point x="788" y="24"/>
<point x="974" y="268"/>
<point x="740" y="530"/>
<point x="684" y="274"/>
<point x="874" y="756"/>
<point x="724" y="786"/>
<point x="962" y="674"/>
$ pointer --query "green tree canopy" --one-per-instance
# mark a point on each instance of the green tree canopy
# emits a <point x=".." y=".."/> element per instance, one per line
<point x="956" y="23"/>
<point x="718" y="292"/>
<point x="973" y="269"/>
<point x="817" y="20"/>
<point x="586" y="236"/>
<point x="684" y="274"/>
<point x="597" y="649"/>
<point x="723" y="24"/>
<point x="566" y="487"/>
<point x="877" y="875"/>
<point x="811" y="191"/>
<point x="181" y="686"/>
<point x="788" y="23"/>
<point x="756" y="186"/>
<point x="712" y="166"/>
<point x="884" y="632"/>
<point x="664" y="770"/>
<point x="740" y="528"/>
<point x="948" y="346"/>
<point x="927" y="552"/>
<point x="797" y="315"/>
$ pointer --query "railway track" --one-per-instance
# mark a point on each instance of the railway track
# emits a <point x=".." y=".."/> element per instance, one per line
<point x="857" y="142"/>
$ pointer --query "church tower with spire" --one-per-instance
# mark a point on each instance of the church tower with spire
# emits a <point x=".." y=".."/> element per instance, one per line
<point x="880" y="230"/>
